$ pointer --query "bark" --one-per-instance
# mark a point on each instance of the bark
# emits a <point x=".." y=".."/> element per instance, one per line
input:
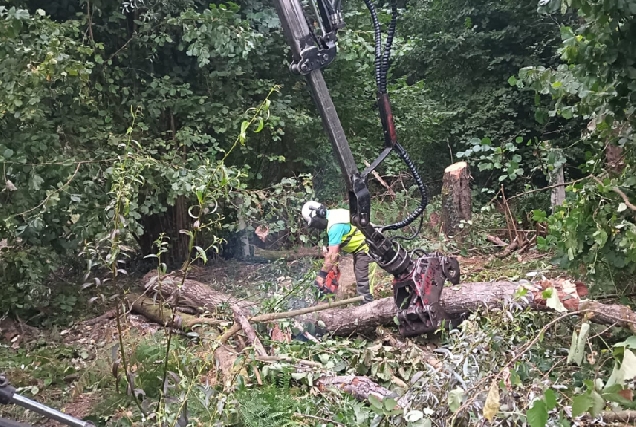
<point x="558" y="192"/>
<point x="456" y="197"/>
<point x="241" y="319"/>
<point x="357" y="386"/>
<point x="191" y="293"/>
<point x="458" y="301"/>
<point x="164" y="315"/>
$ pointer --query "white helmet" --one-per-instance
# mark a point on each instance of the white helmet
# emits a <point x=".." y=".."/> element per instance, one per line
<point x="315" y="214"/>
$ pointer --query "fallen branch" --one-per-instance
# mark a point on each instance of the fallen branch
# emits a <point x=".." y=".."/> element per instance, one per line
<point x="192" y="293"/>
<point x="458" y="301"/>
<point x="496" y="240"/>
<point x="293" y="313"/>
<point x="289" y="359"/>
<point x="381" y="181"/>
<point x="628" y="417"/>
<point x="289" y="314"/>
<point x="509" y="249"/>
<point x="110" y="314"/>
<point x="241" y="319"/>
<point x="620" y="193"/>
<point x="358" y="386"/>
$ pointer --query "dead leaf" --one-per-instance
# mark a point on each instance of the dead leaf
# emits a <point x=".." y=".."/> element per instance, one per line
<point x="280" y="336"/>
<point x="262" y="232"/>
<point x="491" y="407"/>
<point x="627" y="394"/>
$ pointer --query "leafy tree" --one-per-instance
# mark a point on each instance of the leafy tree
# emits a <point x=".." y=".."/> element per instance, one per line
<point x="463" y="54"/>
<point x="594" y="83"/>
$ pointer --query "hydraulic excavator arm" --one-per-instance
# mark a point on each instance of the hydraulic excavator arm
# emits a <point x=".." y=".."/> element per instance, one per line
<point x="418" y="277"/>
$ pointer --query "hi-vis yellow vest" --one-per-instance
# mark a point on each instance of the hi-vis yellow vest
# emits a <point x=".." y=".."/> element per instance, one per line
<point x="354" y="240"/>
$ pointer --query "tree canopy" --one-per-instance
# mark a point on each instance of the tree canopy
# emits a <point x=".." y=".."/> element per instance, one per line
<point x="126" y="108"/>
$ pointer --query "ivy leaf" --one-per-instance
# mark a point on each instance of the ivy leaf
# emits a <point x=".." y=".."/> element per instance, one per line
<point x="455" y="399"/>
<point x="537" y="416"/>
<point x="581" y="403"/>
<point x="375" y="401"/>
<point x="550" y="399"/>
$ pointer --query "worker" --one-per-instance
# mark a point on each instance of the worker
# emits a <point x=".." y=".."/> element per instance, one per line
<point x="342" y="236"/>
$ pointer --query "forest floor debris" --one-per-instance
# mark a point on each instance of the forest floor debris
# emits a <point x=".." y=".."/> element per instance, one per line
<point x="420" y="374"/>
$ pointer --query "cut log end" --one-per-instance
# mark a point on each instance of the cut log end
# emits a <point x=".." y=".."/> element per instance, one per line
<point x="456" y="168"/>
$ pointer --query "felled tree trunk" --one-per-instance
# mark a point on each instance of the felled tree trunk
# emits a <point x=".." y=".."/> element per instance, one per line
<point x="457" y="301"/>
<point x="164" y="315"/>
<point x="456" y="197"/>
<point x="469" y="297"/>
<point x="189" y="292"/>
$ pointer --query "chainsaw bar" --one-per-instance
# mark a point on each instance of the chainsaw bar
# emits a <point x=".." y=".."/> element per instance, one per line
<point x="417" y="295"/>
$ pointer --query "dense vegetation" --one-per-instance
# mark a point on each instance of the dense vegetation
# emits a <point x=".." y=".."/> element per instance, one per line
<point x="166" y="128"/>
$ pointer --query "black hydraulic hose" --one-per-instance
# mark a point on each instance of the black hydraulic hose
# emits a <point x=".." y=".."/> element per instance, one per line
<point x="378" y="43"/>
<point x="381" y="70"/>
<point x="415" y="233"/>
<point x="387" y="48"/>
<point x="420" y="184"/>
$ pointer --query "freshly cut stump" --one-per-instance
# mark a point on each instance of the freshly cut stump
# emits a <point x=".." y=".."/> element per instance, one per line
<point x="456" y="197"/>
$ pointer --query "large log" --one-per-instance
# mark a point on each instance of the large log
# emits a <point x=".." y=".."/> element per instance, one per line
<point x="469" y="297"/>
<point x="189" y="292"/>
<point x="456" y="197"/>
<point x="457" y="300"/>
<point x="164" y="315"/>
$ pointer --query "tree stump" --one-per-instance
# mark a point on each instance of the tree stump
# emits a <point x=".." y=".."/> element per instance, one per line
<point x="456" y="197"/>
<point x="558" y="192"/>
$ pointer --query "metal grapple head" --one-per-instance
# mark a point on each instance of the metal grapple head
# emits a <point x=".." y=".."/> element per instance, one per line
<point x="417" y="294"/>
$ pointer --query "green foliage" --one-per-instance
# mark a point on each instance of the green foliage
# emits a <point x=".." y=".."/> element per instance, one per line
<point x="595" y="84"/>
<point x="118" y="123"/>
<point x="267" y="406"/>
<point x="464" y="52"/>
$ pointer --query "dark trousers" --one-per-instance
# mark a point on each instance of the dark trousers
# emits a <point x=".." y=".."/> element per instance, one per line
<point x="361" y="261"/>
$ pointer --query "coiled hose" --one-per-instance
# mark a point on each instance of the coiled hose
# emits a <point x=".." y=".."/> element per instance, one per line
<point x="381" y="72"/>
